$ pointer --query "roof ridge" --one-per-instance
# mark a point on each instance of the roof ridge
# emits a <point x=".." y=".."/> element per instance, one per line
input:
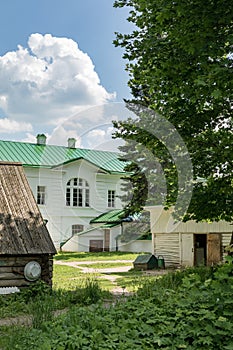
<point x="61" y="146"/>
<point x="48" y="156"/>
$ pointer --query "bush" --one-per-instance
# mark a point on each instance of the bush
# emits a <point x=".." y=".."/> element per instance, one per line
<point x="190" y="309"/>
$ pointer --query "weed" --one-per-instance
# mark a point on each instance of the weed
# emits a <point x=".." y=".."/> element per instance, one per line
<point x="41" y="311"/>
<point x="189" y="309"/>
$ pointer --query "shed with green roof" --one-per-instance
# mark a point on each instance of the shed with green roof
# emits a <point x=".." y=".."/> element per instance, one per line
<point x="145" y="262"/>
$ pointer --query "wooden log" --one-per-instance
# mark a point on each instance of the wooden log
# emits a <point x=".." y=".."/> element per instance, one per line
<point x="12" y="268"/>
<point x="4" y="269"/>
<point x="18" y="261"/>
<point x="14" y="283"/>
<point x="10" y="276"/>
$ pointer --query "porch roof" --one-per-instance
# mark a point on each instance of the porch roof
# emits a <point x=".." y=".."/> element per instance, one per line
<point x="115" y="216"/>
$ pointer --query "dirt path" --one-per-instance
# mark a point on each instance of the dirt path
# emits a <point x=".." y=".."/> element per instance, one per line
<point x="106" y="272"/>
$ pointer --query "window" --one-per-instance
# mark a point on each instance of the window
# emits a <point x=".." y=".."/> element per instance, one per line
<point x="111" y="199"/>
<point x="40" y="194"/>
<point x="77" y="228"/>
<point x="77" y="193"/>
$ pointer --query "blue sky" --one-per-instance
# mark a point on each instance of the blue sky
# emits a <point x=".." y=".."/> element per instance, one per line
<point x="56" y="60"/>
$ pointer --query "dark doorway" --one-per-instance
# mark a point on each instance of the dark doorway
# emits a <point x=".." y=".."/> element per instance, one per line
<point x="200" y="249"/>
<point x="96" y="245"/>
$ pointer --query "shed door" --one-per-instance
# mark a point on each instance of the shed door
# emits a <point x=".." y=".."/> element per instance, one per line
<point x="187" y="254"/>
<point x="213" y="248"/>
<point x="106" y="240"/>
<point x="96" y="245"/>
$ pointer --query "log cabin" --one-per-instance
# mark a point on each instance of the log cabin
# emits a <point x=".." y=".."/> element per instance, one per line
<point x="26" y="248"/>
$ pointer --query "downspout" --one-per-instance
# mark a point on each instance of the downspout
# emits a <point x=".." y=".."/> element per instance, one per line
<point x="153" y="243"/>
<point x="119" y="236"/>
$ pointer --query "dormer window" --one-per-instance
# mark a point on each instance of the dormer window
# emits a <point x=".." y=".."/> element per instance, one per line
<point x="111" y="198"/>
<point x="41" y="195"/>
<point x="77" y="193"/>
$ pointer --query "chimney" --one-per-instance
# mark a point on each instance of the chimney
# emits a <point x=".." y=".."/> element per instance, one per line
<point x="41" y="139"/>
<point x="71" y="142"/>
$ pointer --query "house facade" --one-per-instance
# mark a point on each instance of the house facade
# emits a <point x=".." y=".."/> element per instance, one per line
<point x="187" y="243"/>
<point x="71" y="186"/>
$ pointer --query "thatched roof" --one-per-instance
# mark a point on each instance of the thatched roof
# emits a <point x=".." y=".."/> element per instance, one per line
<point x="22" y="229"/>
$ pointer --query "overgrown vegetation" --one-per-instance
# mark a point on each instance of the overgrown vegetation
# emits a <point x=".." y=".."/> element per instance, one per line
<point x="187" y="309"/>
<point x="41" y="301"/>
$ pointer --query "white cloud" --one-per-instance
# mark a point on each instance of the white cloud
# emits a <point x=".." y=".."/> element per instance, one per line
<point x="92" y="127"/>
<point x="8" y="126"/>
<point x="49" y="80"/>
<point x="60" y="136"/>
<point x="101" y="139"/>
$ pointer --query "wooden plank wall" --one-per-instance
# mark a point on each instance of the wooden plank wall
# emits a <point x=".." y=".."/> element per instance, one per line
<point x="226" y="239"/>
<point x="12" y="270"/>
<point x="168" y="245"/>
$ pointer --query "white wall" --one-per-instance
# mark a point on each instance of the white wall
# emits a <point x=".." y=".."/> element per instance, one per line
<point x="61" y="217"/>
<point x="137" y="246"/>
<point x="162" y="221"/>
<point x="81" y="243"/>
<point x="174" y="240"/>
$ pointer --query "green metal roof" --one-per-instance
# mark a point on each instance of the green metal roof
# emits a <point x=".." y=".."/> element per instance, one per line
<point x="143" y="259"/>
<point x="112" y="216"/>
<point x="48" y="156"/>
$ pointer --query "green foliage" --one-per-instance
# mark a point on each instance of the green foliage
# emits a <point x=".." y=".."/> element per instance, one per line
<point x="89" y="292"/>
<point x="187" y="309"/>
<point x="66" y="277"/>
<point x="139" y="228"/>
<point x="40" y="301"/>
<point x="41" y="310"/>
<point x="179" y="58"/>
<point x="39" y="289"/>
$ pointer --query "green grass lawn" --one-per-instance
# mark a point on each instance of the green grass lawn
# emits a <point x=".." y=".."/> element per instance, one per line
<point x="105" y="265"/>
<point x="69" y="278"/>
<point x="66" y="277"/>
<point x="96" y="256"/>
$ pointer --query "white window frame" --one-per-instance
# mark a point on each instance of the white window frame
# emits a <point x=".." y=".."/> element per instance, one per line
<point x="41" y="195"/>
<point x="76" y="228"/>
<point x="111" y="198"/>
<point x="77" y="193"/>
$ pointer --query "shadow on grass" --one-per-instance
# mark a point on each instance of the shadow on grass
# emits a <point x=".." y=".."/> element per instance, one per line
<point x="129" y="273"/>
<point x="94" y="256"/>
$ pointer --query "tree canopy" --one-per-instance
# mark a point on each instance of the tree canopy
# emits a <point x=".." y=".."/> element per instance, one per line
<point x="180" y="61"/>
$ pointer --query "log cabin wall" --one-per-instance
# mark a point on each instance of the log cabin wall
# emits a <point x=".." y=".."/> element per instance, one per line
<point x="23" y="234"/>
<point x="12" y="269"/>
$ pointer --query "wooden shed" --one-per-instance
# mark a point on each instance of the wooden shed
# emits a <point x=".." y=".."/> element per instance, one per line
<point x="26" y="248"/>
<point x="188" y="243"/>
<point x="145" y="262"/>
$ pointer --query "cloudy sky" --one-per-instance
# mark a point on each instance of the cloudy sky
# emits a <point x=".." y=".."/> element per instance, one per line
<point x="60" y="74"/>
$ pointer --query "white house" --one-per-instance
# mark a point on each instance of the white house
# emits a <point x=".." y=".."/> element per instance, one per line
<point x="72" y="186"/>
<point x="187" y="243"/>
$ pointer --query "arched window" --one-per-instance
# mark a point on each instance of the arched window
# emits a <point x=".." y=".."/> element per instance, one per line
<point x="77" y="193"/>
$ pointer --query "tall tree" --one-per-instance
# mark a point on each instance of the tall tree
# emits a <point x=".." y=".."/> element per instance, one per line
<point x="180" y="61"/>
